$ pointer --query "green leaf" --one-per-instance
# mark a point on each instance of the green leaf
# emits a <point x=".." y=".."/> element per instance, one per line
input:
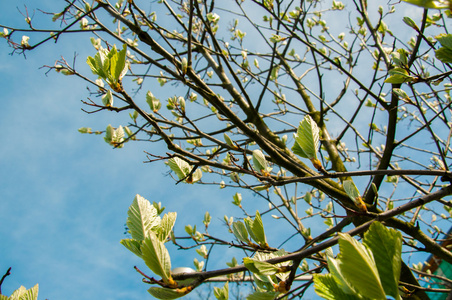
<point x="259" y="267"/>
<point x="222" y="293"/>
<point x="307" y="139"/>
<point x="351" y="190"/>
<point x="183" y="169"/>
<point x="142" y="218"/>
<point x="444" y="54"/>
<point x="256" y="229"/>
<point x="166" y="225"/>
<point x="118" y="65"/>
<point x="107" y="99"/>
<point x="386" y="247"/>
<point x="341" y="281"/>
<point x="259" y="162"/>
<point x="262" y="296"/>
<point x="23" y="294"/>
<point x="228" y="141"/>
<point x="132" y="245"/>
<point x="85" y="130"/>
<point x="401" y="94"/>
<point x="239" y="230"/>
<point x="154" y="103"/>
<point x="326" y="287"/>
<point x="168" y="294"/>
<point x="358" y="266"/>
<point x="156" y="257"/>
<point x="398" y="76"/>
<point x="410" y="22"/>
<point x="428" y="3"/>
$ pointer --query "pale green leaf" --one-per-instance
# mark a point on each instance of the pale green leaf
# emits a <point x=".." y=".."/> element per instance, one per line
<point x="239" y="230"/>
<point x="222" y="293"/>
<point x="107" y="99"/>
<point x="142" y="218"/>
<point x="132" y="245"/>
<point x="228" y="141"/>
<point x="156" y="256"/>
<point x="154" y="103"/>
<point x="259" y="161"/>
<point x="166" y="294"/>
<point x="351" y="190"/>
<point x="23" y="294"/>
<point x="256" y="229"/>
<point x="259" y="267"/>
<point x="434" y="4"/>
<point x="31" y="294"/>
<point x="358" y="266"/>
<point x="341" y="281"/>
<point x="262" y="296"/>
<point x="386" y="247"/>
<point x="326" y="287"/>
<point x="183" y="169"/>
<point x="444" y="53"/>
<point x="166" y="225"/>
<point x="297" y="149"/>
<point x="179" y="166"/>
<point x="307" y="138"/>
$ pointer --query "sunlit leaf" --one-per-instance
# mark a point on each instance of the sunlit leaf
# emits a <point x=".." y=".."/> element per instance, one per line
<point x="240" y="232"/>
<point x="256" y="229"/>
<point x="358" y="266"/>
<point x="307" y="139"/>
<point x="156" y="257"/>
<point x="259" y="267"/>
<point x="167" y="294"/>
<point x="326" y="287"/>
<point x="166" y="225"/>
<point x="262" y="296"/>
<point x="259" y="162"/>
<point x="132" y="245"/>
<point x="386" y="247"/>
<point x="142" y="218"/>
<point x="222" y="293"/>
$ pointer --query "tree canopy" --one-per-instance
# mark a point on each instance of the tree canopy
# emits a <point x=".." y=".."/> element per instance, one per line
<point x="325" y="119"/>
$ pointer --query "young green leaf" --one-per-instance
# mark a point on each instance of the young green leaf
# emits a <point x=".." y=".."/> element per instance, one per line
<point x="166" y="225"/>
<point x="262" y="296"/>
<point x="228" y="141"/>
<point x="240" y="232"/>
<point x="434" y="4"/>
<point x="167" y="294"/>
<point x="341" y="281"/>
<point x="357" y="264"/>
<point x="154" y="103"/>
<point x="307" y="139"/>
<point x="132" y="245"/>
<point x="259" y="162"/>
<point x="386" y="247"/>
<point x="222" y="293"/>
<point x="326" y="287"/>
<point x="256" y="230"/>
<point x="156" y="257"/>
<point x="118" y="64"/>
<point x="23" y="294"/>
<point x="353" y="193"/>
<point x="260" y="267"/>
<point x="142" y="218"/>
<point x="444" y="54"/>
<point x="107" y="99"/>
<point x="183" y="169"/>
